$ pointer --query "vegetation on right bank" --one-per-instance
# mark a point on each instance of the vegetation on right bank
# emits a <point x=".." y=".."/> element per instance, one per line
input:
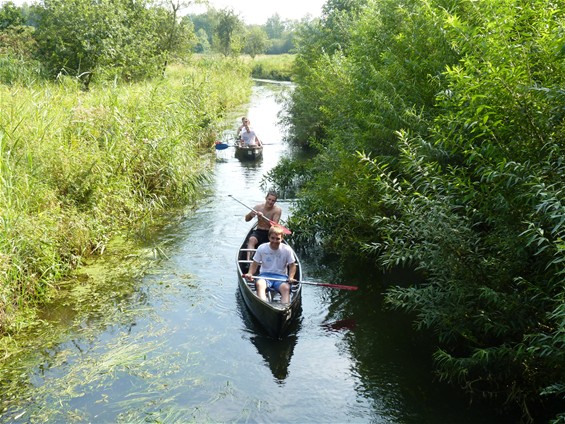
<point x="438" y="129"/>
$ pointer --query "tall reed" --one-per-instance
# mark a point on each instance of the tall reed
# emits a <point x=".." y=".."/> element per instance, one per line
<point x="77" y="168"/>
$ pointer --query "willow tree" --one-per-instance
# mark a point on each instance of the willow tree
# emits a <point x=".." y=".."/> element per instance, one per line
<point x="110" y="37"/>
<point x="229" y="33"/>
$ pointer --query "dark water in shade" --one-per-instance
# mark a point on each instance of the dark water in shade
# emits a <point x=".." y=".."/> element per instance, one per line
<point x="176" y="344"/>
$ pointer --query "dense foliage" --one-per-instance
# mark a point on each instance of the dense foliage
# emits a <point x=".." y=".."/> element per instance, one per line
<point x="111" y="39"/>
<point x="438" y="128"/>
<point x="78" y="169"/>
<point x="124" y="40"/>
<point x="226" y="32"/>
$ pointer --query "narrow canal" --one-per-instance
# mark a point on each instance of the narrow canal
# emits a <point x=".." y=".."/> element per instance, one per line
<point x="172" y="342"/>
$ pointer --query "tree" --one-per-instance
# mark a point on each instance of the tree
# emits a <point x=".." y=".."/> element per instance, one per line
<point x="10" y="16"/>
<point x="256" y="41"/>
<point x="16" y="38"/>
<point x="274" y="27"/>
<point x="111" y="37"/>
<point x="229" y="33"/>
<point x="320" y="44"/>
<point x="205" y="23"/>
<point x="176" y="34"/>
<point x="202" y="44"/>
<point x="458" y="110"/>
<point x="281" y="35"/>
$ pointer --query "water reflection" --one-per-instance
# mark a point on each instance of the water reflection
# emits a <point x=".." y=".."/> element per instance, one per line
<point x="347" y="324"/>
<point x="277" y="354"/>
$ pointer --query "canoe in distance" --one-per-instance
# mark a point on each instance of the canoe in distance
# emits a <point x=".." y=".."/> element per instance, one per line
<point x="248" y="152"/>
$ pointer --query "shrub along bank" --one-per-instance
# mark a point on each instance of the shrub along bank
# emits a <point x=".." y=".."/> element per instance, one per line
<point x="438" y="128"/>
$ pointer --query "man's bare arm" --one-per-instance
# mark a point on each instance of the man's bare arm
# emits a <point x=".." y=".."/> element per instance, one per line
<point x="291" y="270"/>
<point x="277" y="215"/>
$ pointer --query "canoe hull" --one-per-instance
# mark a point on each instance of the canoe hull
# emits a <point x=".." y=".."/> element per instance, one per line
<point x="275" y="318"/>
<point x="248" y="152"/>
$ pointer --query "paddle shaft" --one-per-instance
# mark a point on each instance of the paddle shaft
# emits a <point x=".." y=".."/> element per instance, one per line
<point x="312" y="283"/>
<point x="286" y="230"/>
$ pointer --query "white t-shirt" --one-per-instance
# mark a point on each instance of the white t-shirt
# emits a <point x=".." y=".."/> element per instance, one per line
<point x="248" y="137"/>
<point x="274" y="260"/>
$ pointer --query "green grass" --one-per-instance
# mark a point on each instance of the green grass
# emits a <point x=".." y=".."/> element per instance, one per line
<point x="274" y="67"/>
<point x="78" y="168"/>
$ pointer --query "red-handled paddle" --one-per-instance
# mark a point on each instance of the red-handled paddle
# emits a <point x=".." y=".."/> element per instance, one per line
<point x="285" y="230"/>
<point x="312" y="283"/>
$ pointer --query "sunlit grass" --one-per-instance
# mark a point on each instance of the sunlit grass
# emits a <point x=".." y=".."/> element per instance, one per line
<point x="78" y="168"/>
<point x="275" y="67"/>
<point x="105" y="296"/>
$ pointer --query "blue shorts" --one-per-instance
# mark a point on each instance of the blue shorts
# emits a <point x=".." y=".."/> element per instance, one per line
<point x="274" y="284"/>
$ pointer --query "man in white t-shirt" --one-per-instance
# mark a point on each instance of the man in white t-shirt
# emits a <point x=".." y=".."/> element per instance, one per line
<point x="277" y="261"/>
<point x="248" y="135"/>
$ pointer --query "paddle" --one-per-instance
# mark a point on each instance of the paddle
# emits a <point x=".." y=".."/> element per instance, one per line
<point x="285" y="230"/>
<point x="342" y="324"/>
<point x="312" y="283"/>
<point x="221" y="146"/>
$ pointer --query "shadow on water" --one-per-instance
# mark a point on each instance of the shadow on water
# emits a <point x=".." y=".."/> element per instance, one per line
<point x="277" y="354"/>
<point x="393" y="361"/>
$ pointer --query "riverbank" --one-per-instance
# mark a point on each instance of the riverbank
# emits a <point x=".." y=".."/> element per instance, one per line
<point x="80" y="169"/>
<point x="273" y="67"/>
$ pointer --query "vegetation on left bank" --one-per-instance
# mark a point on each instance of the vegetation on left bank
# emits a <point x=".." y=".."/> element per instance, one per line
<point x="105" y="123"/>
<point x="79" y="167"/>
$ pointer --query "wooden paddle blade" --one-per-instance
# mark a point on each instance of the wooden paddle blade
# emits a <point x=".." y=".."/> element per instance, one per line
<point x="339" y="286"/>
<point x="333" y="286"/>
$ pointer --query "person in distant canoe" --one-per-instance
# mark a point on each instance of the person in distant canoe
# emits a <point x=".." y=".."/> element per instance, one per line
<point x="277" y="261"/>
<point x="243" y="119"/>
<point x="267" y="210"/>
<point x="248" y="135"/>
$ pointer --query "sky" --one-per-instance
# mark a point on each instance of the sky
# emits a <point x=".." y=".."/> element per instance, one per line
<point x="254" y="12"/>
<point x="258" y="11"/>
